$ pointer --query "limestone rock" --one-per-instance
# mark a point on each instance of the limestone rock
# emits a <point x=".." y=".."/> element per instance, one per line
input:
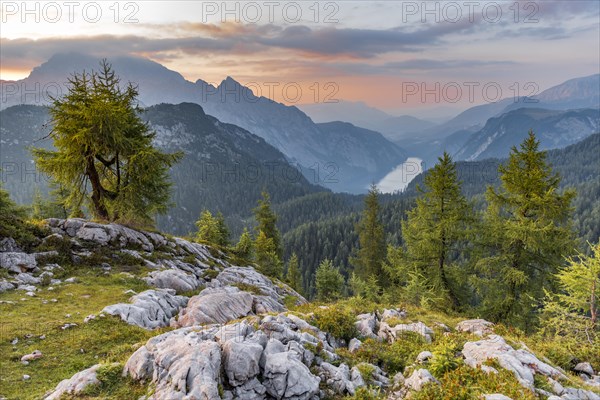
<point x="241" y="361"/>
<point x="17" y="262"/>
<point x="173" y="279"/>
<point x="496" y="396"/>
<point x="150" y="309"/>
<point x="478" y="327"/>
<point x="216" y="306"/>
<point x="4" y="286"/>
<point x="354" y="345"/>
<point x="584" y="367"/>
<point x="420" y="378"/>
<point x="521" y="362"/>
<point x="183" y="364"/>
<point x="287" y="378"/>
<point x="76" y="384"/>
<point x="366" y="325"/>
<point x="393" y="333"/>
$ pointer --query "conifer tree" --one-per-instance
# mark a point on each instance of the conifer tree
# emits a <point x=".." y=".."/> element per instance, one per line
<point x="222" y="230"/>
<point x="528" y="232"/>
<point x="245" y="246"/>
<point x="293" y="276"/>
<point x="104" y="153"/>
<point x="329" y="283"/>
<point x="266" y="220"/>
<point x="574" y="311"/>
<point x="436" y="231"/>
<point x="267" y="259"/>
<point x="372" y="247"/>
<point x="208" y="228"/>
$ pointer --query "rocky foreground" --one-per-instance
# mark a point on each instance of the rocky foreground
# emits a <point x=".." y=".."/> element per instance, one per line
<point x="231" y="336"/>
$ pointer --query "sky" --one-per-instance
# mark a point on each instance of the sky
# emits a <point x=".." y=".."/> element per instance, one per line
<point x="393" y="55"/>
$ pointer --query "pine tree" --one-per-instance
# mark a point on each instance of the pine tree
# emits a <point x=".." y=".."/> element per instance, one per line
<point x="329" y="283"/>
<point x="245" y="246"/>
<point x="435" y="231"/>
<point x="267" y="259"/>
<point x="104" y="153"/>
<point x="574" y="312"/>
<point x="293" y="276"/>
<point x="372" y="246"/>
<point x="266" y="219"/>
<point x="528" y="233"/>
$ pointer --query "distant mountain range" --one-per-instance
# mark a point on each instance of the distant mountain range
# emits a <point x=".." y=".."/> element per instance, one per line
<point x="287" y="128"/>
<point x="395" y="128"/>
<point x="225" y="167"/>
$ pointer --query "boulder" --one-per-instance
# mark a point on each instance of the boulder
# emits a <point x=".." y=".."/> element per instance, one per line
<point x="424" y="356"/>
<point x="4" y="286"/>
<point x="354" y="345"/>
<point x="76" y="384"/>
<point x="8" y="244"/>
<point x="521" y="362"/>
<point x="241" y="361"/>
<point x="496" y="396"/>
<point x="418" y="379"/>
<point x="584" y="367"/>
<point x="393" y="333"/>
<point x="287" y="378"/>
<point x="150" y="309"/>
<point x="17" y="262"/>
<point x="216" y="306"/>
<point x="173" y="279"/>
<point x="478" y="327"/>
<point x="27" y="279"/>
<point x="366" y="325"/>
<point x="337" y="378"/>
<point x="182" y="364"/>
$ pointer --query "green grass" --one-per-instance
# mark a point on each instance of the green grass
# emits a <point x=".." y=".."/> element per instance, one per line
<point x="103" y="340"/>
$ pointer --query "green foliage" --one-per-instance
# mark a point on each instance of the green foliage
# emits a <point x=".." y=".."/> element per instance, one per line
<point x="42" y="208"/>
<point x="329" y="282"/>
<point x="267" y="259"/>
<point x="212" y="229"/>
<point x="527" y="234"/>
<point x="369" y="289"/>
<point x="13" y="224"/>
<point x="266" y="219"/>
<point x="336" y="320"/>
<point x="245" y="246"/>
<point x="392" y="357"/>
<point x="365" y="393"/>
<point x="246" y="287"/>
<point x="293" y="275"/>
<point x="444" y="358"/>
<point x="371" y="236"/>
<point x="571" y="316"/>
<point x="436" y="232"/>
<point x="104" y="153"/>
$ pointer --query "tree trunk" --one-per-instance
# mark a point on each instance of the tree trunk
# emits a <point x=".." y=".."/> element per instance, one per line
<point x="97" y="189"/>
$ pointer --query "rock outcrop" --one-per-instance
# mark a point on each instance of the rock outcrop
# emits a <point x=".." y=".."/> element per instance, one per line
<point x="150" y="309"/>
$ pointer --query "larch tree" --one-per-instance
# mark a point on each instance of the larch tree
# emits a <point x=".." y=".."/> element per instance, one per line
<point x="372" y="247"/>
<point x="245" y="246"/>
<point x="104" y="152"/>
<point x="528" y="233"/>
<point x="436" y="231"/>
<point x="573" y="312"/>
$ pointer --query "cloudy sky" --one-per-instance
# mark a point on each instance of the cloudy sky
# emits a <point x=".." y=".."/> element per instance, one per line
<point x="388" y="54"/>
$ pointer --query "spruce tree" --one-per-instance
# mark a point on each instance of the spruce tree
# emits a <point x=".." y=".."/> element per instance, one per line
<point x="372" y="247"/>
<point x="266" y="220"/>
<point x="528" y="233"/>
<point x="329" y="283"/>
<point x="436" y="230"/>
<point x="293" y="276"/>
<point x="104" y="153"/>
